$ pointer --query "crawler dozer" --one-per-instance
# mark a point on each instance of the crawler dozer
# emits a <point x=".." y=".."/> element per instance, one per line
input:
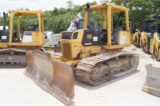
<point x="14" y="42"/>
<point x="151" y="40"/>
<point x="136" y="32"/>
<point x="137" y="37"/>
<point x="94" y="55"/>
<point x="141" y="32"/>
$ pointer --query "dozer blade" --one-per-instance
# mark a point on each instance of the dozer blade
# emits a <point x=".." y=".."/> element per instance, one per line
<point x="54" y="76"/>
<point x="152" y="83"/>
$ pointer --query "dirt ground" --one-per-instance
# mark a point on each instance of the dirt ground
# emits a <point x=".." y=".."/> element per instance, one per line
<point x="16" y="89"/>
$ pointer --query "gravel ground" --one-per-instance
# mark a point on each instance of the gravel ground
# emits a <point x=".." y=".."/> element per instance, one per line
<point x="16" y="89"/>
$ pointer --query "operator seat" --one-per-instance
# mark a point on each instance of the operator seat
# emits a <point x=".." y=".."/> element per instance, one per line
<point x="115" y="32"/>
<point x="103" y="36"/>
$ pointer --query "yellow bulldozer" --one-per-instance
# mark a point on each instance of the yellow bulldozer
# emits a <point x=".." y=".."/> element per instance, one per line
<point x="137" y="37"/>
<point x="14" y="42"/>
<point x="143" y="29"/>
<point x="150" y="42"/>
<point x="93" y="55"/>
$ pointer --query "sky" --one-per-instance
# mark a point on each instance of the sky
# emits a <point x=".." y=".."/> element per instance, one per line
<point x="43" y="5"/>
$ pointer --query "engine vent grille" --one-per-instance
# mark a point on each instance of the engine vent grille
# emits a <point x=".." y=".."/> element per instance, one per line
<point x="66" y="51"/>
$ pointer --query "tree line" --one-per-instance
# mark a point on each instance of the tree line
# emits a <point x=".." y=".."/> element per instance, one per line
<point x="58" y="19"/>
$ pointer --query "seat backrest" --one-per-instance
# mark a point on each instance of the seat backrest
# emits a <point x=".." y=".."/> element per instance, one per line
<point x="115" y="32"/>
<point x="103" y="36"/>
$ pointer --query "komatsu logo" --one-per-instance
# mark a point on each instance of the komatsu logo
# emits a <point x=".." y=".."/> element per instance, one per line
<point x="88" y="44"/>
<point x="65" y="41"/>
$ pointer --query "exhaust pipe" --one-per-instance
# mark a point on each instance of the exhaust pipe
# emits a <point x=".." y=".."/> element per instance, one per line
<point x="4" y="21"/>
<point x="89" y="13"/>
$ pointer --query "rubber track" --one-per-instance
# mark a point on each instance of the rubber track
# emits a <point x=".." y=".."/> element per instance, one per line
<point x="84" y="68"/>
<point x="4" y="64"/>
<point x="10" y="65"/>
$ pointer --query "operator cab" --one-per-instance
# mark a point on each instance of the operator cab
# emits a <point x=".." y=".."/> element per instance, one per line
<point x="108" y="34"/>
<point x="94" y="36"/>
<point x="149" y="27"/>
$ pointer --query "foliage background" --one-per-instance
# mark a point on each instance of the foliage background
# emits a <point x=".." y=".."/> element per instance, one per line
<point x="58" y="19"/>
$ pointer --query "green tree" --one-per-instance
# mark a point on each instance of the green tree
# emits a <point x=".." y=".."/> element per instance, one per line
<point x="156" y="4"/>
<point x="138" y="9"/>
